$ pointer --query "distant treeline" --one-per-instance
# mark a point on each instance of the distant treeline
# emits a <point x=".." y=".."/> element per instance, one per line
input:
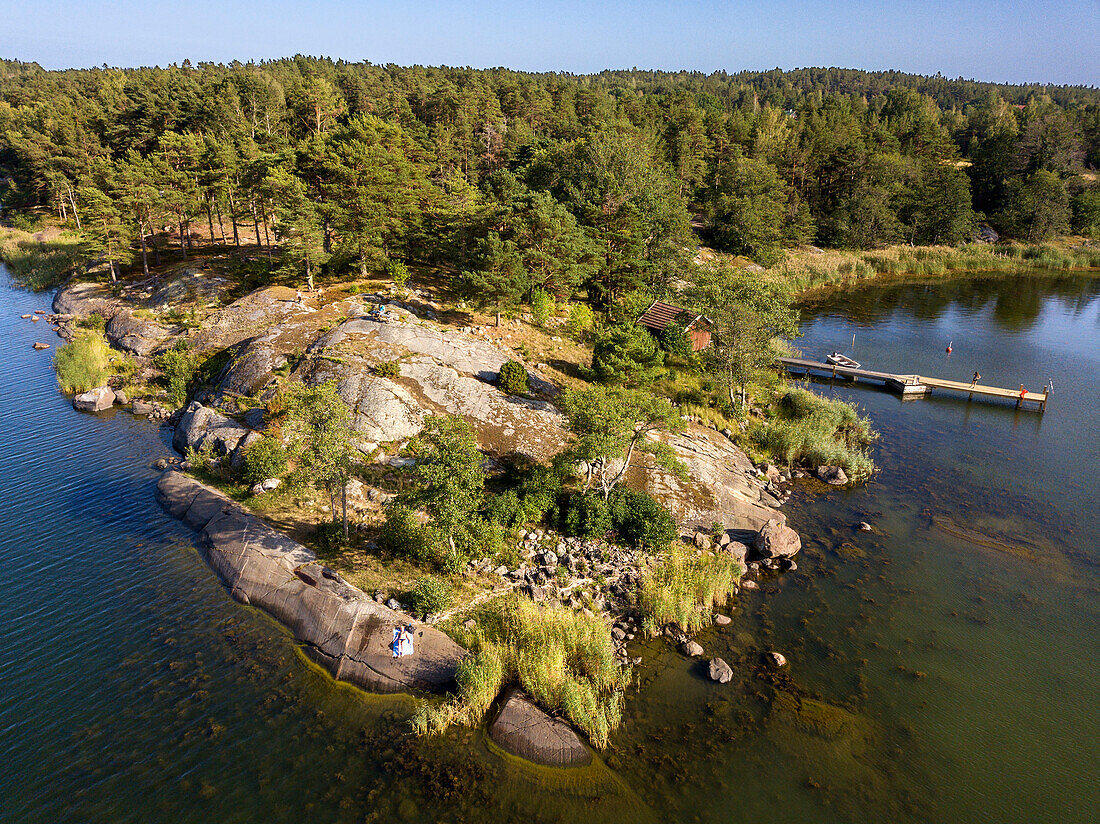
<point x="555" y="181"/>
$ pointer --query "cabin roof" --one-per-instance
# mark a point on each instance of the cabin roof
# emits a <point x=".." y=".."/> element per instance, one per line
<point x="660" y="315"/>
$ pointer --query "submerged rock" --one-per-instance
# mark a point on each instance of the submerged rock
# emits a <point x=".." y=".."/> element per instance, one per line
<point x="95" y="400"/>
<point x="523" y="729"/>
<point x="775" y="660"/>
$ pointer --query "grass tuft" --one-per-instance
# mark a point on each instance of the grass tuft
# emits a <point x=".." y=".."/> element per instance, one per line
<point x="684" y="587"/>
<point x="564" y="660"/>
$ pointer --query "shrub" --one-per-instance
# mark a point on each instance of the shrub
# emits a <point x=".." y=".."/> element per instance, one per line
<point x="431" y="595"/>
<point x="512" y="378"/>
<point x="818" y="431"/>
<point x="398" y="272"/>
<point x="402" y="533"/>
<point x="83" y="364"/>
<point x="330" y="537"/>
<point x="580" y="319"/>
<point x="626" y="355"/>
<point x="264" y="459"/>
<point x="178" y="366"/>
<point x="587" y="515"/>
<point x="675" y="341"/>
<point x="682" y="587"/>
<point x="640" y="520"/>
<point x="388" y="369"/>
<point x="542" y="307"/>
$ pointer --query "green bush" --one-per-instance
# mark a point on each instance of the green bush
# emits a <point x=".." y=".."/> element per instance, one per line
<point x="580" y="319"/>
<point x="587" y="515"/>
<point x="542" y="306"/>
<point x="388" y="369"/>
<point x="264" y="459"/>
<point x="398" y="272"/>
<point x="431" y="595"/>
<point x="626" y="355"/>
<point x="512" y="378"/>
<point x="563" y="659"/>
<point x="178" y="366"/>
<point x="83" y="364"/>
<point x="674" y="340"/>
<point x="817" y="431"/>
<point x="402" y="533"/>
<point x="640" y="520"/>
<point x="330" y="537"/>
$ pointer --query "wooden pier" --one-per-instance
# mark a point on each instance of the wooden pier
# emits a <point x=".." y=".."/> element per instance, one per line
<point x="914" y="386"/>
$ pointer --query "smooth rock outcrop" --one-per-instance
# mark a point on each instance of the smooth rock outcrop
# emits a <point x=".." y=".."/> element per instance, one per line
<point x="200" y="424"/>
<point x="339" y="625"/>
<point x="523" y="729"/>
<point x="133" y="334"/>
<point x="95" y="400"/>
<point x="776" y="540"/>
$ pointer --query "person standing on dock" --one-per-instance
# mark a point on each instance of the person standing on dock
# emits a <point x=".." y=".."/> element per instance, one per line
<point x="977" y="377"/>
<point x="1023" y="393"/>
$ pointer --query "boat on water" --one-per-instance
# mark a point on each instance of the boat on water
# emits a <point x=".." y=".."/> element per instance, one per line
<point x="840" y="359"/>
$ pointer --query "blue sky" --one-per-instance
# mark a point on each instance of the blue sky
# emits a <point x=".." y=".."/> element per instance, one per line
<point x="1056" y="41"/>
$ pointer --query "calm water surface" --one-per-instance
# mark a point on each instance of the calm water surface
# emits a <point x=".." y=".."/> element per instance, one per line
<point x="942" y="667"/>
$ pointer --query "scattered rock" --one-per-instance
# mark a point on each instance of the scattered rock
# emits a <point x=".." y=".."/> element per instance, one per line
<point x="772" y="473"/>
<point x="777" y="540"/>
<point x="143" y="408"/>
<point x="718" y="670"/>
<point x="775" y="660"/>
<point x="161" y="465"/>
<point x="469" y="624"/>
<point x="722" y="620"/>
<point x="691" y="649"/>
<point x="40" y="345"/>
<point x="701" y="540"/>
<point x="200" y="424"/>
<point x="832" y="475"/>
<point x="120" y="398"/>
<point x="749" y="584"/>
<point x="737" y="549"/>
<point x="95" y="400"/>
<point x="267" y="485"/>
<point x="865" y="527"/>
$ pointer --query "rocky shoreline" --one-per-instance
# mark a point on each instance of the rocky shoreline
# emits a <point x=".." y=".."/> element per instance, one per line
<point x="441" y="370"/>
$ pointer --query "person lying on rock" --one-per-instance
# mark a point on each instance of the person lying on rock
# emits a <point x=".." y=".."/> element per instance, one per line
<point x="402" y="641"/>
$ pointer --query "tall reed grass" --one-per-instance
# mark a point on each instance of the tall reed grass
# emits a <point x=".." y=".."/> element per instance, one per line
<point x="684" y="587"/>
<point x="806" y="428"/>
<point x="564" y="660"/>
<point x="804" y="271"/>
<point x="40" y="264"/>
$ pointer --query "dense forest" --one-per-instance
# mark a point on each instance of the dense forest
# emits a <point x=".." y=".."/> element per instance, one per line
<point x="538" y="181"/>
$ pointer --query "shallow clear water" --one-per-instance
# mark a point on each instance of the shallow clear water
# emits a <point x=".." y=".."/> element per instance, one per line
<point x="942" y="668"/>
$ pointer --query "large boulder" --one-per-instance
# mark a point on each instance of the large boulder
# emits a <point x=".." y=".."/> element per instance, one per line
<point x="133" y="334"/>
<point x="95" y="400"/>
<point x="523" y="729"/>
<point x="339" y="626"/>
<point x="776" y="540"/>
<point x="201" y="424"/>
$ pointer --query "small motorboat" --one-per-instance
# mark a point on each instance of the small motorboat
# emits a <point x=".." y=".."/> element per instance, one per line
<point x="839" y="359"/>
